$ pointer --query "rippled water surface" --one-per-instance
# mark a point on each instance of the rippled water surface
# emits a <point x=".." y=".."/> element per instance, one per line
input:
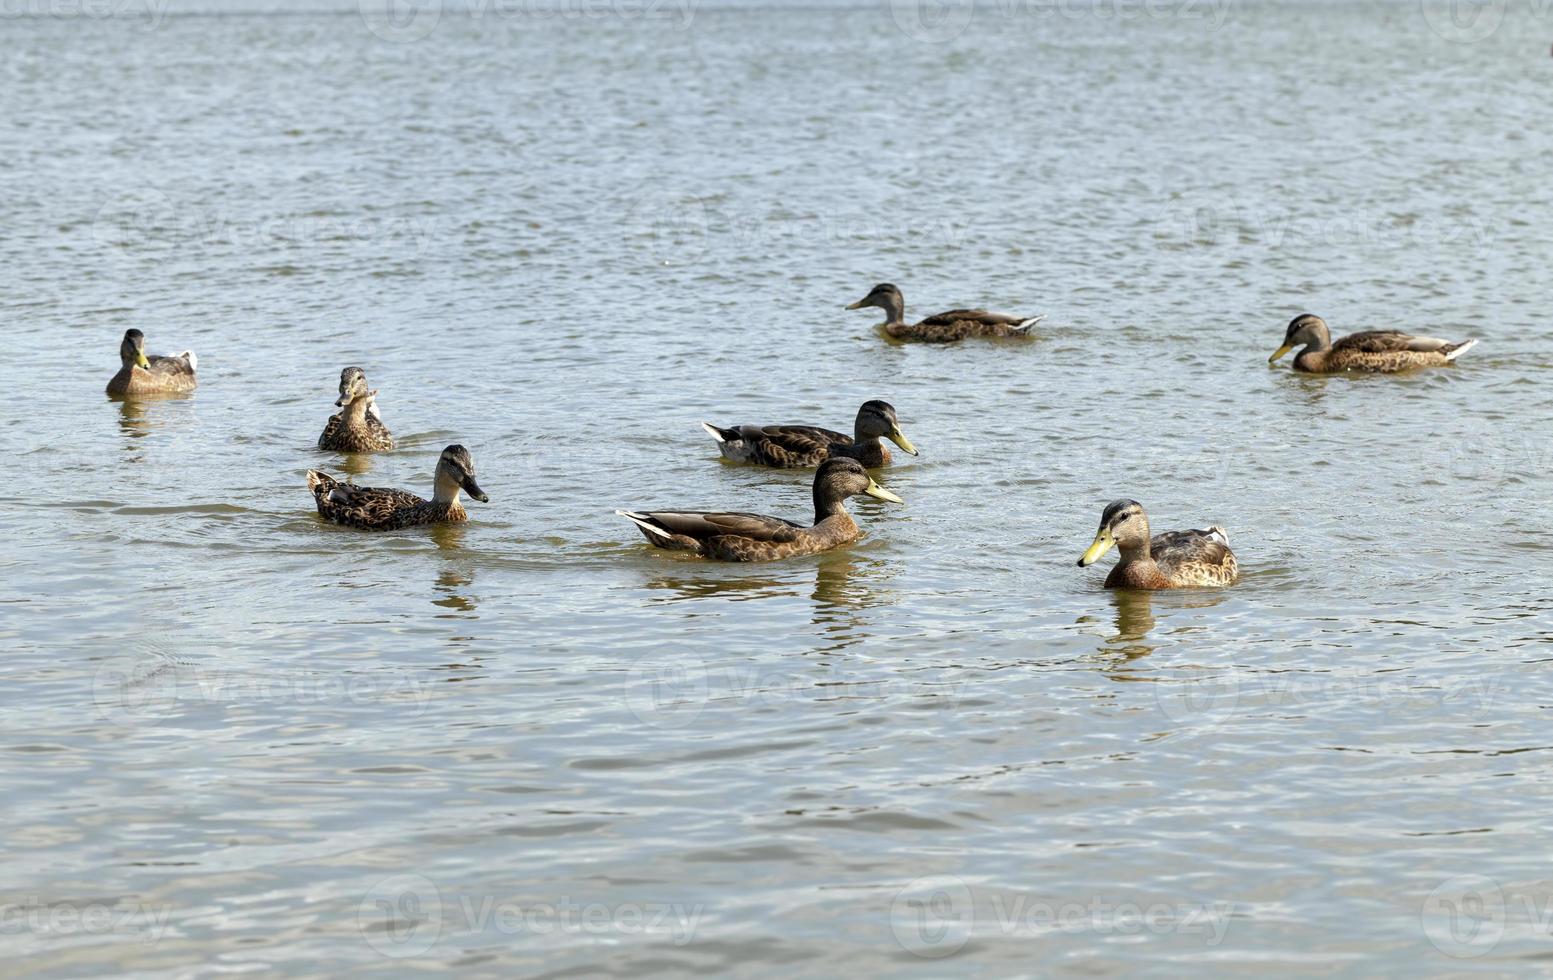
<point x="238" y="740"/>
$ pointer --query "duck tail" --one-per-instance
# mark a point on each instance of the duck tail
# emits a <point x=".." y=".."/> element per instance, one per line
<point x="1215" y="531"/>
<point x="1025" y="326"/>
<point x="1456" y="350"/>
<point x="644" y="522"/>
<point x="720" y="434"/>
<point x="320" y="483"/>
<point x="194" y="362"/>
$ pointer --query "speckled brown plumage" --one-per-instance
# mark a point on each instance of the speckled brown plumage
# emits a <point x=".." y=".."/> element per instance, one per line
<point x="796" y="446"/>
<point x="357" y="428"/>
<point x="942" y="328"/>
<point x="735" y="536"/>
<point x="387" y="509"/>
<point x="1371" y="351"/>
<point x="1169" y="560"/>
<point x="140" y="374"/>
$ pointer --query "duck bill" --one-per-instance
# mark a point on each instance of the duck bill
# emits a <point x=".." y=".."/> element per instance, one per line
<point x="142" y="360"/>
<point x="473" y="489"/>
<point x="875" y="490"/>
<point x="1103" y="543"/>
<point x="899" y="438"/>
<point x="1279" y="353"/>
<point x="859" y="304"/>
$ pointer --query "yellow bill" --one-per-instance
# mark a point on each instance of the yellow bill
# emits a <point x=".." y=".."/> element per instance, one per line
<point x="1103" y="542"/>
<point x="899" y="438"/>
<point x="1279" y="353"/>
<point x="875" y="490"/>
<point x="140" y="358"/>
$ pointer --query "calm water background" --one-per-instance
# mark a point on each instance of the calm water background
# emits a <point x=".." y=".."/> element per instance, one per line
<point x="238" y="740"/>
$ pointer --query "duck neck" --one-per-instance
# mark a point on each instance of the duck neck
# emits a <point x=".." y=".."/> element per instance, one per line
<point x="356" y="411"/>
<point x="446" y="491"/>
<point x="1137" y="554"/>
<point x="894" y="309"/>
<point x="827" y="504"/>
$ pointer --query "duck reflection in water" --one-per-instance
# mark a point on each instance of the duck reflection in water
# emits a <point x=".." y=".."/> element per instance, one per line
<point x="1133" y="611"/>
<point x="457" y="571"/>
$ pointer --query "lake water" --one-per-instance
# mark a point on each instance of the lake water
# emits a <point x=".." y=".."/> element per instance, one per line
<point x="241" y="741"/>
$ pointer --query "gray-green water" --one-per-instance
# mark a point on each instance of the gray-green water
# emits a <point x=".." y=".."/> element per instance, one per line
<point x="238" y="740"/>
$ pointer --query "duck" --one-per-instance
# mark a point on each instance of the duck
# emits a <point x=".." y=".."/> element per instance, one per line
<point x="943" y="328"/>
<point x="802" y="446"/>
<point x="754" y="537"/>
<point x="383" y="509"/>
<point x="154" y="375"/>
<point x="359" y="427"/>
<point x="1171" y="560"/>
<point x="1373" y="351"/>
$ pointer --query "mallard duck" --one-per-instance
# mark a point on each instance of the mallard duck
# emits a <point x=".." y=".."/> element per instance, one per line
<point x="381" y="509"/>
<point x="358" y="428"/>
<point x="154" y="375"/>
<point x="1172" y="560"/>
<point x="1375" y="351"/>
<point x="941" y="328"/>
<point x="752" y="537"/>
<point x="795" y="446"/>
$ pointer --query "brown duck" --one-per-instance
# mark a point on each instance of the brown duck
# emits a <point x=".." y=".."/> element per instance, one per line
<point x="358" y="428"/>
<point x="797" y="446"/>
<point x="1172" y="560"/>
<point x="384" y="509"/>
<point x="942" y="328"/>
<point x="154" y="375"/>
<point x="1373" y="351"/>
<point x="754" y="537"/>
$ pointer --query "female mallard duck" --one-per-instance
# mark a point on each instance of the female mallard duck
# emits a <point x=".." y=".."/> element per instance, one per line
<point x="794" y="446"/>
<point x="942" y="328"/>
<point x="1172" y="560"/>
<point x="358" y="428"/>
<point x="752" y="537"/>
<point x="381" y="509"/>
<point x="1375" y="351"/>
<point x="154" y="375"/>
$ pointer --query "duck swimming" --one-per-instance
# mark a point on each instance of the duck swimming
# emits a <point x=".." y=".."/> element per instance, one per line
<point x="383" y="509"/>
<point x="1171" y="560"/>
<point x="942" y="328"/>
<point x="753" y="537"/>
<point x="154" y="375"/>
<point x="796" y="446"/>
<point x="358" y="428"/>
<point x="1373" y="351"/>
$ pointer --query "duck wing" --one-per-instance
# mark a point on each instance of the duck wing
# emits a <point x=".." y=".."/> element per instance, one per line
<point x="1389" y="342"/>
<point x="1206" y="548"/>
<point x="173" y="365"/>
<point x="703" y="525"/>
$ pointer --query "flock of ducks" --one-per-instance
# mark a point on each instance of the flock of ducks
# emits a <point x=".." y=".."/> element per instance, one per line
<point x="1170" y="560"/>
